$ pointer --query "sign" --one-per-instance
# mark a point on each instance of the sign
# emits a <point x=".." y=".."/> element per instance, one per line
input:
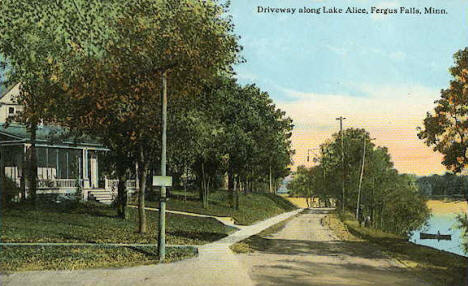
<point x="162" y="181"/>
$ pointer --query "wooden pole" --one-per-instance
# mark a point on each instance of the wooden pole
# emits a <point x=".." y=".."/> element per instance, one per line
<point x="360" y="180"/>
<point x="341" y="118"/>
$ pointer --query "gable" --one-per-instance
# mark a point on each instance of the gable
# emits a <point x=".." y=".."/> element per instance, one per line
<point x="10" y="94"/>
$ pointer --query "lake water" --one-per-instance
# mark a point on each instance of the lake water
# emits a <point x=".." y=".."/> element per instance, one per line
<point x="446" y="224"/>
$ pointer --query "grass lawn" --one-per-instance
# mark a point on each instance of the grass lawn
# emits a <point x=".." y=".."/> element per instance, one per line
<point x="29" y="258"/>
<point x="93" y="223"/>
<point x="253" y="206"/>
<point x="429" y="264"/>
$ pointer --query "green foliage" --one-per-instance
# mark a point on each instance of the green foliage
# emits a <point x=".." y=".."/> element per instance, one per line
<point x="390" y="200"/>
<point x="34" y="258"/>
<point x="463" y="224"/>
<point x="310" y="183"/>
<point x="9" y="192"/>
<point x="230" y="129"/>
<point x="447" y="186"/>
<point x="78" y="195"/>
<point x="96" y="66"/>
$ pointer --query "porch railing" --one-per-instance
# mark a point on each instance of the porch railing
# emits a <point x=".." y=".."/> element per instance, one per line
<point x="57" y="183"/>
<point x="71" y="183"/>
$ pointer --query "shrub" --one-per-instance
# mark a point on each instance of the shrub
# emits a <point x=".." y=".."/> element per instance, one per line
<point x="9" y="192"/>
<point x="78" y="191"/>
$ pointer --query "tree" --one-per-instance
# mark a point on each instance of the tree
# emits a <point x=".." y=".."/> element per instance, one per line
<point x="112" y="56"/>
<point x="35" y="40"/>
<point x="391" y="200"/>
<point x="306" y="183"/>
<point x="446" y="128"/>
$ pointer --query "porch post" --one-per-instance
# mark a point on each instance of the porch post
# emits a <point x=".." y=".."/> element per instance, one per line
<point x="85" y="169"/>
<point x="47" y="162"/>
<point x="57" y="162"/>
<point x="96" y="166"/>
<point x="67" y="165"/>
<point x="93" y="169"/>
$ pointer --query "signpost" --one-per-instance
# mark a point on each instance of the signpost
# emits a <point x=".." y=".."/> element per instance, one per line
<point x="162" y="181"/>
<point x="162" y="201"/>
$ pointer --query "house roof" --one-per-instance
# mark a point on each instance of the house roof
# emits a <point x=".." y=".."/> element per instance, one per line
<point x="7" y="90"/>
<point x="49" y="135"/>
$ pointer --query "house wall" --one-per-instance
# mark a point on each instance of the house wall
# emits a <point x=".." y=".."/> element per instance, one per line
<point x="8" y="106"/>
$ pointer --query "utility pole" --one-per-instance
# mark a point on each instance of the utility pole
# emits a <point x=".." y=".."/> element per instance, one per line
<point x="162" y="202"/>
<point x="360" y="178"/>
<point x="341" y="118"/>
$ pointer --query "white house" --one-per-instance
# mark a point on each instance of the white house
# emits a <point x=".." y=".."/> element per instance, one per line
<point x="63" y="161"/>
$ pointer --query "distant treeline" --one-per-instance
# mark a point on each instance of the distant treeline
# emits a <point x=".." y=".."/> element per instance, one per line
<point x="448" y="185"/>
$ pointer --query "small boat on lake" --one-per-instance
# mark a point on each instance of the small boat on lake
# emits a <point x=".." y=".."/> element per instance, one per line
<point x="437" y="236"/>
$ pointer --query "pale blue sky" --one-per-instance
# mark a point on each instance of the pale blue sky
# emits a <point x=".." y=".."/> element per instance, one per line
<point x="335" y="53"/>
<point x="382" y="72"/>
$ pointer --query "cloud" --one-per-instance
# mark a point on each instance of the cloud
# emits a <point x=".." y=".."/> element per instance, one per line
<point x="389" y="113"/>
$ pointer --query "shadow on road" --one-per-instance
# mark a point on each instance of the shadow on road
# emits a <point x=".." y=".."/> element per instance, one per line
<point x="316" y="248"/>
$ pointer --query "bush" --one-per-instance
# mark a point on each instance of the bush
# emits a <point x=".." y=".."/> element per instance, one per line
<point x="9" y="192"/>
<point x="463" y="224"/>
<point x="78" y="192"/>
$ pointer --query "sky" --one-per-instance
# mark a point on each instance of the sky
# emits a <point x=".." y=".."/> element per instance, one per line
<point x="381" y="72"/>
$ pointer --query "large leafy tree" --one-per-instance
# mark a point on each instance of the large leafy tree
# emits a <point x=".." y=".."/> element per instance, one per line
<point x="446" y="128"/>
<point x="231" y="129"/>
<point x="187" y="42"/>
<point x="35" y="38"/>
<point x="110" y="60"/>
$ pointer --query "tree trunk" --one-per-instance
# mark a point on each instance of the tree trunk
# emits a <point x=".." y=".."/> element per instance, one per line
<point x="122" y="196"/>
<point x="33" y="165"/>
<point x="246" y="186"/>
<point x="271" y="181"/>
<point x="23" y="174"/>
<point x="231" y="188"/>
<point x="185" y="182"/>
<point x="142" y="172"/>
<point x="204" y="187"/>
<point x="236" y="187"/>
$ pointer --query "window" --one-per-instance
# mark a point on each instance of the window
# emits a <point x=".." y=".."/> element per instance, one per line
<point x="11" y="110"/>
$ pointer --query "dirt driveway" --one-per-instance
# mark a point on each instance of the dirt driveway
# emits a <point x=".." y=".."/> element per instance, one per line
<point x="306" y="253"/>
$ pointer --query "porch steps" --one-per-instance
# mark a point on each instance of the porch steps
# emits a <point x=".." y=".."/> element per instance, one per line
<point x="101" y="196"/>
